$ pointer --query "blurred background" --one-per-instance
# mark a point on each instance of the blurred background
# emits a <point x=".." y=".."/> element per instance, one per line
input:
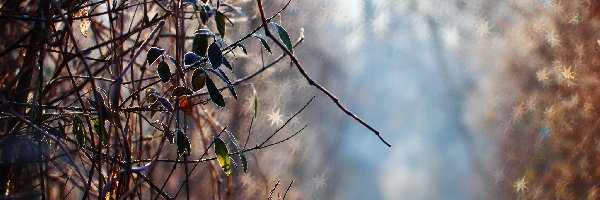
<point x="403" y="66"/>
<point x="479" y="99"/>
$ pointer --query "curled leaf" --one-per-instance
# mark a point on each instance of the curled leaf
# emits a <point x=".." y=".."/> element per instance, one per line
<point x="185" y="105"/>
<point x="191" y="58"/>
<point x="153" y="54"/>
<point x="283" y="35"/>
<point x="222" y="155"/>
<point x="164" y="72"/>
<point x="84" y="24"/>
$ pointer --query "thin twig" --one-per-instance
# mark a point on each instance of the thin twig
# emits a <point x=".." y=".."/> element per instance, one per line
<point x="273" y="190"/>
<point x="288" y="189"/>
<point x="309" y="79"/>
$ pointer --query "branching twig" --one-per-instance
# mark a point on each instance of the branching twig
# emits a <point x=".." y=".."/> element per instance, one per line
<point x="309" y="79"/>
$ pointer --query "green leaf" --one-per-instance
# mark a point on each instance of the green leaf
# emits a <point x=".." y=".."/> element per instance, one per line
<point x="183" y="143"/>
<point x="283" y="35"/>
<point x="263" y="42"/>
<point x="220" y="20"/>
<point x="222" y="155"/>
<point x="181" y="90"/>
<point x="198" y="79"/>
<point x="100" y="130"/>
<point x="200" y="44"/>
<point x="151" y="96"/>
<point x="79" y="131"/>
<point x="240" y="151"/>
<point x="244" y="162"/>
<point x="164" y="72"/>
<point x="215" y="55"/>
<point x="233" y="140"/>
<point x="153" y="54"/>
<point x="214" y="93"/>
